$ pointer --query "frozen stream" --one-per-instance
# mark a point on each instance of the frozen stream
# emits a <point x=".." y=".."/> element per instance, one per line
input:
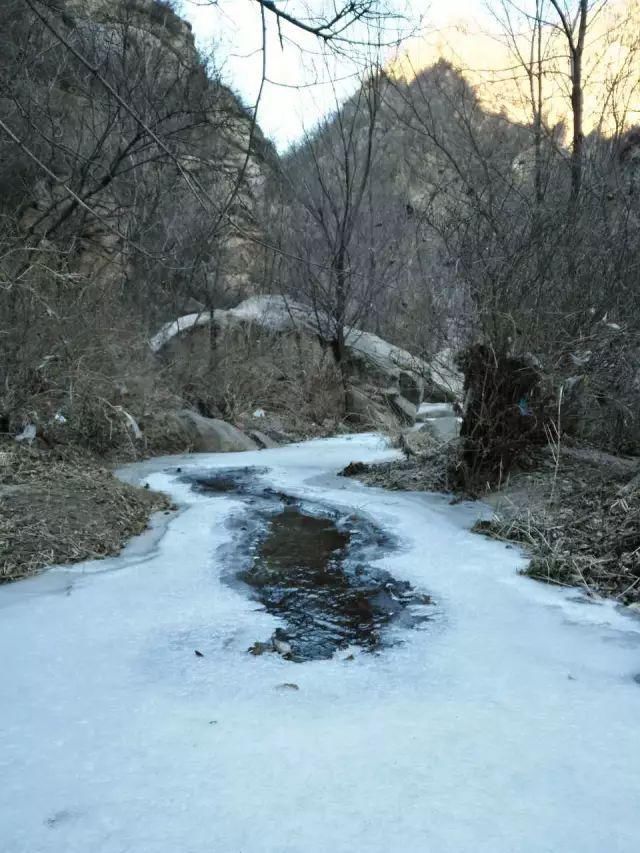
<point x="508" y="722"/>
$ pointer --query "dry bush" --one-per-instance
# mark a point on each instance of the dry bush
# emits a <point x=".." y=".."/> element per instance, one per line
<point x="507" y="407"/>
<point x="62" y="506"/>
<point x="75" y="363"/>
<point x="432" y="470"/>
<point x="101" y="236"/>
<point x="245" y="369"/>
<point x="602" y="391"/>
<point x="580" y="524"/>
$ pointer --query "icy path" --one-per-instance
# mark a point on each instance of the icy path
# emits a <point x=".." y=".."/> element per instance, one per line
<point x="511" y="724"/>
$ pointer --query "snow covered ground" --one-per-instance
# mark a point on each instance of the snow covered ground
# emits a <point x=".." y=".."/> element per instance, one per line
<point x="509" y="724"/>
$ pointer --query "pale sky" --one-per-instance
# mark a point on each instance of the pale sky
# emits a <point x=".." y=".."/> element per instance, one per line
<point x="306" y="81"/>
<point x="286" y="109"/>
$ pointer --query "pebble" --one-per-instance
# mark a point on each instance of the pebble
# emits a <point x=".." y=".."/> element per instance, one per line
<point x="260" y="648"/>
<point x="282" y="647"/>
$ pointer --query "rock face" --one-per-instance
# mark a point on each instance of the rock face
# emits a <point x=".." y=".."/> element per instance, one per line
<point x="431" y="411"/>
<point x="364" y="411"/>
<point x="200" y="121"/>
<point x="384" y="377"/>
<point x="404" y="409"/>
<point x="263" y="441"/>
<point x="210" y="435"/>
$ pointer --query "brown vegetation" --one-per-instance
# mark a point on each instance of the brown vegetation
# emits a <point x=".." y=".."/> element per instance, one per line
<point x="579" y="521"/>
<point x="64" y="507"/>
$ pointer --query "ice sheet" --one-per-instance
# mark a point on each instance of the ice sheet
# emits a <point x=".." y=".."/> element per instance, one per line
<point x="508" y="725"/>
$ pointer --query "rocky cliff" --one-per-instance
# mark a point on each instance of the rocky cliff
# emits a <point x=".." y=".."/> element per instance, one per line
<point x="129" y="183"/>
<point x="133" y="159"/>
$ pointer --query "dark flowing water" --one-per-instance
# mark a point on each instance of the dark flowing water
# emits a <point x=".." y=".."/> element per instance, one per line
<point x="312" y="567"/>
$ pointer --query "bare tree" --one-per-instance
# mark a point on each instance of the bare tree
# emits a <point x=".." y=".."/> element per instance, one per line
<point x="110" y="141"/>
<point x="574" y="24"/>
<point x="354" y="22"/>
<point x="329" y="179"/>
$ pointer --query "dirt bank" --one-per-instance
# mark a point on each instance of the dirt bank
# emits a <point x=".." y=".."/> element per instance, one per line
<point x="579" y="519"/>
<point x="61" y="503"/>
<point x="63" y="506"/>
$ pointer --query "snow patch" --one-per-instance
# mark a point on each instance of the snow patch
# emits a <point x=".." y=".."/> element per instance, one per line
<point x="507" y="725"/>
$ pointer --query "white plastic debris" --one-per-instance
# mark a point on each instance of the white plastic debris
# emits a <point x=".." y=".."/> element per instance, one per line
<point x="131" y="422"/>
<point x="259" y="413"/>
<point x="28" y="433"/>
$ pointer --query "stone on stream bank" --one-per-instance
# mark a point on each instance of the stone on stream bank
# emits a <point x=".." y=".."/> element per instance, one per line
<point x="264" y="441"/>
<point x="187" y="431"/>
<point x="211" y="435"/>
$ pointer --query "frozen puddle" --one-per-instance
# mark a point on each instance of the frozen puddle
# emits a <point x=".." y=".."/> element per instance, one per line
<point x="304" y="571"/>
<point x="314" y="568"/>
<point x="508" y="723"/>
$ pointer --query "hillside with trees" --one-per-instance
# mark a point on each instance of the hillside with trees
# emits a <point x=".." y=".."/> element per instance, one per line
<point x="163" y="266"/>
<point x="445" y="224"/>
<point x="127" y="181"/>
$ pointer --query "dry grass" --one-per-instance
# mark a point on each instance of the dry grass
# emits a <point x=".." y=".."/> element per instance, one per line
<point x="63" y="507"/>
<point x="583" y="531"/>
<point x="428" y="468"/>
<point x="293" y="378"/>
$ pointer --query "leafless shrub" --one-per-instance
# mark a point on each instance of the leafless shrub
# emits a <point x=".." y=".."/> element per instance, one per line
<point x="110" y="142"/>
<point x="231" y="373"/>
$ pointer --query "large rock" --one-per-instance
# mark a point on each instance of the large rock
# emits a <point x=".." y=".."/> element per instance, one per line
<point x="418" y="442"/>
<point x="404" y="409"/>
<point x="210" y="435"/>
<point x="370" y="355"/>
<point x="430" y="411"/>
<point x="411" y="387"/>
<point x="264" y="441"/>
<point x="444" y="382"/>
<point x="363" y="411"/>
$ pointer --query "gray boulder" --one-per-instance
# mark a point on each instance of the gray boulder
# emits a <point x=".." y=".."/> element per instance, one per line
<point x="210" y="435"/>
<point x="363" y="411"/>
<point x="430" y="411"/>
<point x="411" y="387"/>
<point x="376" y="358"/>
<point x="420" y="441"/>
<point x="403" y="409"/>
<point x="359" y="407"/>
<point x="263" y="441"/>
